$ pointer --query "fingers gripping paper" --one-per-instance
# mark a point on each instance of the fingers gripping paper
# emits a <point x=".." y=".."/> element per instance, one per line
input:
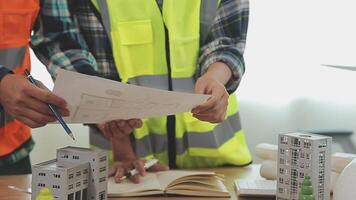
<point x="92" y="99"/>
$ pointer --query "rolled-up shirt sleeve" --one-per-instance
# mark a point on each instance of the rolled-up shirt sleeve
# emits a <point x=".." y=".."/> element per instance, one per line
<point x="226" y="41"/>
<point x="57" y="41"/>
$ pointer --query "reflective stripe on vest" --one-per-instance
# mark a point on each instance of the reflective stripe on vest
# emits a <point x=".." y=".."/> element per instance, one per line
<point x="16" y="21"/>
<point x="207" y="16"/>
<point x="97" y="139"/>
<point x="7" y="57"/>
<point x="5" y="118"/>
<point x="161" y="82"/>
<point x="101" y="5"/>
<point x="138" y="41"/>
<point x="210" y="139"/>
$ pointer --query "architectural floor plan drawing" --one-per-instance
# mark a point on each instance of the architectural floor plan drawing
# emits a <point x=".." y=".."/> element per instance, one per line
<point x="100" y="108"/>
<point x="95" y="100"/>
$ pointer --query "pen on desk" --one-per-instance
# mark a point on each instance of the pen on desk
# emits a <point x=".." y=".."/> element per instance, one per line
<point x="52" y="108"/>
<point x="27" y="191"/>
<point x="133" y="172"/>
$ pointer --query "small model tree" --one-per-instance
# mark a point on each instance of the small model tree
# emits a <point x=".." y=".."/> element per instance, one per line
<point x="45" y="194"/>
<point x="306" y="192"/>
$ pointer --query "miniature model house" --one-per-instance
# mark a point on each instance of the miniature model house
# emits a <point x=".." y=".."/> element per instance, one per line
<point x="301" y="155"/>
<point x="76" y="174"/>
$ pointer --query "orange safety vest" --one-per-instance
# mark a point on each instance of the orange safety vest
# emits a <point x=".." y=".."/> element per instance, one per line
<point x="16" y="20"/>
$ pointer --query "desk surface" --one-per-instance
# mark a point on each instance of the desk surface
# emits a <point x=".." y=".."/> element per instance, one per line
<point x="231" y="174"/>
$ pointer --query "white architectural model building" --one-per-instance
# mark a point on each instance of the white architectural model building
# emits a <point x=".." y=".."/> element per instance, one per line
<point x="301" y="155"/>
<point x="76" y="174"/>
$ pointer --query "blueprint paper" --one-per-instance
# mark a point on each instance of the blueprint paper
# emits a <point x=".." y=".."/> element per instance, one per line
<point x="92" y="99"/>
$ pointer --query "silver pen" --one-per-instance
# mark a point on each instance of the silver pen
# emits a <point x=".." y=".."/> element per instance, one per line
<point x="27" y="191"/>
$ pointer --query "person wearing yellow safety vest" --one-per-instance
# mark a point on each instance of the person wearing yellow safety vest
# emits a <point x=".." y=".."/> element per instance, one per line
<point x="186" y="45"/>
<point x="22" y="105"/>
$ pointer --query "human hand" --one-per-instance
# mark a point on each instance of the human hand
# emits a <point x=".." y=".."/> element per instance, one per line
<point x="27" y="102"/>
<point x="119" y="169"/>
<point x="213" y="83"/>
<point x="117" y="129"/>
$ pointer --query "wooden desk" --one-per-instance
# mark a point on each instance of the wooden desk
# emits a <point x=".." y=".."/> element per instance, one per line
<point x="231" y="174"/>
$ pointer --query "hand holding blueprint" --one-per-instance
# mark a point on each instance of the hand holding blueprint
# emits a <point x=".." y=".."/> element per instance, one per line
<point x="92" y="99"/>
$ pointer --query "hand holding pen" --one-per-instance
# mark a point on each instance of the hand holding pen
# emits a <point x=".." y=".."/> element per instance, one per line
<point x="28" y="103"/>
<point x="134" y="169"/>
<point x="133" y="172"/>
<point x="52" y="107"/>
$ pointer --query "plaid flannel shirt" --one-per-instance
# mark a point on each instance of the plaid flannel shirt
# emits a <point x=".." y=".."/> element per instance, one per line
<point x="70" y="35"/>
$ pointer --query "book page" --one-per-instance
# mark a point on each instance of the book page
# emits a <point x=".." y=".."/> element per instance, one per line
<point x="207" y="181"/>
<point x="148" y="185"/>
<point x="208" y="184"/>
<point x="180" y="182"/>
<point x="168" y="177"/>
<point x="200" y="185"/>
<point x="200" y="193"/>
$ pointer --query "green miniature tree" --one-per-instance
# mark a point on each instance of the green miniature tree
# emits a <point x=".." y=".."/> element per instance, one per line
<point x="45" y="194"/>
<point x="306" y="192"/>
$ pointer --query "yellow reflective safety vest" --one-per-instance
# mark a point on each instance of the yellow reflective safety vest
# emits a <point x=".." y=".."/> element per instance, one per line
<point x="158" y="47"/>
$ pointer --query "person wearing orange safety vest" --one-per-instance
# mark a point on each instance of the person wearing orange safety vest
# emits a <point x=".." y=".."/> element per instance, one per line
<point x="22" y="105"/>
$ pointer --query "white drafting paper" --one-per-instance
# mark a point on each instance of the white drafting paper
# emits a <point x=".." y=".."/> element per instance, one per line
<point x="92" y="99"/>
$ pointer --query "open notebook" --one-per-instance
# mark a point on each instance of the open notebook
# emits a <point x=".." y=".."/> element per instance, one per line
<point x="175" y="182"/>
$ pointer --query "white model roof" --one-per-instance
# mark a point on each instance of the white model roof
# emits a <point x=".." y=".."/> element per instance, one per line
<point x="53" y="165"/>
<point x="307" y="136"/>
<point x="80" y="150"/>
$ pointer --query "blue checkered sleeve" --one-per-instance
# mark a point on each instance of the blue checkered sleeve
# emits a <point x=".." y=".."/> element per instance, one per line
<point x="226" y="40"/>
<point x="57" y="41"/>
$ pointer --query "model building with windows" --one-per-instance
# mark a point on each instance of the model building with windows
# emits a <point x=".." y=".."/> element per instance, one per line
<point x="301" y="155"/>
<point x="76" y="174"/>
